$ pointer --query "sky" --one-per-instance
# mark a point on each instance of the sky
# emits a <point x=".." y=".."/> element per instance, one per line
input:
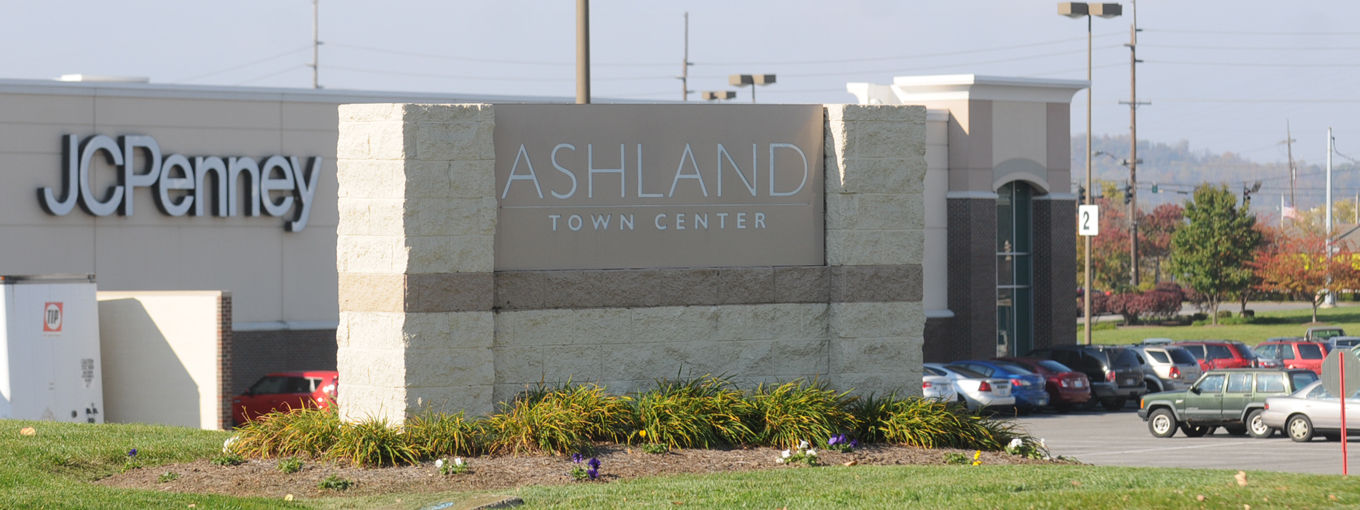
<point x="1224" y="76"/>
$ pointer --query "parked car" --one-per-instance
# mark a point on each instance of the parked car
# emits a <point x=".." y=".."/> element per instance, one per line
<point x="1322" y="333"/>
<point x="1295" y="353"/>
<point x="1312" y="411"/>
<point x="1066" y="387"/>
<point x="1168" y="367"/>
<point x="1217" y="354"/>
<point x="1342" y="342"/>
<point x="975" y="390"/>
<point x="1114" y="371"/>
<point x="1232" y="398"/>
<point x="937" y="385"/>
<point x="281" y="391"/>
<point x="1026" y="386"/>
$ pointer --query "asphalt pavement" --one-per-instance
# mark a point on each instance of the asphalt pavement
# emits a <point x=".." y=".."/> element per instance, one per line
<point x="1121" y="438"/>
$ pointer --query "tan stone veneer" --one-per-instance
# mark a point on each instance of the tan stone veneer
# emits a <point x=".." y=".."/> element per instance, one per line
<point x="426" y="320"/>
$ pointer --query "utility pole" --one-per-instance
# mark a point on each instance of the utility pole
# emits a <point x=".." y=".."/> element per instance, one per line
<point x="1133" y="146"/>
<point x="1293" y="172"/>
<point x="1330" y="299"/>
<point x="684" y="66"/>
<point x="316" y="45"/>
<point x="582" y="51"/>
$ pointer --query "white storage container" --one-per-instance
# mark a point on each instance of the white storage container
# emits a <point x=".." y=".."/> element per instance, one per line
<point x="49" y="349"/>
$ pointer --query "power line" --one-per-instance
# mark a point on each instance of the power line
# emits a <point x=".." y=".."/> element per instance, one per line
<point x="270" y="75"/>
<point x="488" y="78"/>
<point x="1232" y="32"/>
<point x="247" y="64"/>
<point x="1251" y="48"/>
<point x="1246" y="64"/>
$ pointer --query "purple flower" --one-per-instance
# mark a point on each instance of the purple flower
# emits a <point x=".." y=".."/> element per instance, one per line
<point x="835" y="440"/>
<point x="576" y="457"/>
<point x="132" y="452"/>
<point x="593" y="473"/>
<point x="594" y="464"/>
<point x="854" y="443"/>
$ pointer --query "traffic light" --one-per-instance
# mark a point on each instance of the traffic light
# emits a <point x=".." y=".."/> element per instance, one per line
<point x="1081" y="194"/>
<point x="1128" y="194"/>
<point x="1154" y="187"/>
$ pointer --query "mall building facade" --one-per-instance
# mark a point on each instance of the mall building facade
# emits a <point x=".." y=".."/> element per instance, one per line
<point x="156" y="187"/>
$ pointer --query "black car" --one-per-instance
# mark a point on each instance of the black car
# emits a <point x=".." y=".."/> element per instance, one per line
<point x="1115" y="372"/>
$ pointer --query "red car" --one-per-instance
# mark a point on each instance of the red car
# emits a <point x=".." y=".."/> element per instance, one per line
<point x="1066" y="387"/>
<point x="281" y="391"/>
<point x="1214" y="354"/>
<point x="1295" y="354"/>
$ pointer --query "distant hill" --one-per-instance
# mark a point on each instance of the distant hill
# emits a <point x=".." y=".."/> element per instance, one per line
<point x="1177" y="168"/>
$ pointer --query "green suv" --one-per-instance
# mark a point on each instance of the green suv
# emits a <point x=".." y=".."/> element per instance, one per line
<point x="1228" y="398"/>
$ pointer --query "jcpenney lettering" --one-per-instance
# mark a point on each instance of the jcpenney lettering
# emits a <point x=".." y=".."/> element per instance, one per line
<point x="180" y="183"/>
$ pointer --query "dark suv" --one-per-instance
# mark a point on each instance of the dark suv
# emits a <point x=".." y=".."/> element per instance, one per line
<point x="1115" y="373"/>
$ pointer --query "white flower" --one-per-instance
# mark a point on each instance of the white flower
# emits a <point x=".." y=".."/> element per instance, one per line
<point x="1015" y="443"/>
<point x="458" y="461"/>
<point x="812" y="453"/>
<point x="786" y="454"/>
<point x="778" y="460"/>
<point x="802" y="445"/>
<point x="1042" y="444"/>
<point x="439" y="464"/>
<point x="226" y="445"/>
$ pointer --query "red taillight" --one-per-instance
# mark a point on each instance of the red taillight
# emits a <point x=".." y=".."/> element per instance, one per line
<point x="985" y="386"/>
<point x="1110" y="376"/>
<point x="1065" y="383"/>
<point x="1267" y="406"/>
<point x="925" y="384"/>
<point x="1175" y="373"/>
<point x="1017" y="382"/>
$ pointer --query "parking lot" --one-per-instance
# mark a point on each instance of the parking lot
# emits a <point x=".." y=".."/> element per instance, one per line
<point x="1122" y="439"/>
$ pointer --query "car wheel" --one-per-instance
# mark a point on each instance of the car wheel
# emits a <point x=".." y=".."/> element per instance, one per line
<point x="1299" y="428"/>
<point x="1256" y="427"/>
<point x="1112" y="404"/>
<point x="1195" y="430"/>
<point x="1162" y="423"/>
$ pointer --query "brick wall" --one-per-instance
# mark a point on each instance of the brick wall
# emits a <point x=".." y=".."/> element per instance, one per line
<point x="256" y="353"/>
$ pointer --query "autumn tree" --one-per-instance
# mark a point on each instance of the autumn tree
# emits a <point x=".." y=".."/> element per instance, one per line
<point x="1295" y="263"/>
<point x="1210" y="252"/>
<point x="1154" y="235"/>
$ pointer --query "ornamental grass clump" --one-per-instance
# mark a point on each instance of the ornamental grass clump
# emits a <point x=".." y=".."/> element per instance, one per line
<point x="299" y="432"/>
<point x="871" y="410"/>
<point x="434" y="434"/>
<point x="558" y="420"/>
<point x="796" y="411"/>
<point x="926" y="423"/>
<point x="372" y="442"/>
<point x="705" y="412"/>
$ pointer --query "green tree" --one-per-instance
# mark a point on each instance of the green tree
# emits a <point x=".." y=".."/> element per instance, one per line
<point x="1211" y="251"/>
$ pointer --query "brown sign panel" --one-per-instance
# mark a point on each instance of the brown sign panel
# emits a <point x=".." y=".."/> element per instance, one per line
<point x="644" y="186"/>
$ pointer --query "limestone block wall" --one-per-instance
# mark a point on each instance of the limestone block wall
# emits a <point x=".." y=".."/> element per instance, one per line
<point x="427" y="320"/>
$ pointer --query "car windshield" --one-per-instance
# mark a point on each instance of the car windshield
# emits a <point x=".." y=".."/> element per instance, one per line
<point x="933" y="371"/>
<point x="964" y="371"/>
<point x="1245" y="350"/>
<point x="1014" y="368"/>
<point x="1054" y="366"/>
<point x="1181" y="356"/>
<point x="280" y="384"/>
<point x="1302" y="378"/>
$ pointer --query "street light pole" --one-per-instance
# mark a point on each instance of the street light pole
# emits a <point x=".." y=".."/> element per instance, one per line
<point x="1076" y="10"/>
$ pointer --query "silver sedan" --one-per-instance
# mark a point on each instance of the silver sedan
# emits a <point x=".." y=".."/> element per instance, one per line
<point x="1310" y="412"/>
<point x="975" y="390"/>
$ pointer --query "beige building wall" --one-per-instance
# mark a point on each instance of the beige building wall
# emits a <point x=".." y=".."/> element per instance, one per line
<point x="428" y="320"/>
<point x="165" y="358"/>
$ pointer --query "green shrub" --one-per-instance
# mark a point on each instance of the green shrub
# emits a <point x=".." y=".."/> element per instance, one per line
<point x="870" y="412"/>
<point x="228" y="459"/>
<point x="558" y="420"/>
<point x="435" y="435"/>
<point x="167" y="477"/>
<point x="798" y="411"/>
<point x="309" y="432"/>
<point x="334" y="482"/>
<point x="372" y="442"/>
<point x="704" y="412"/>
<point x="289" y="465"/>
<point x="654" y="448"/>
<point x="928" y="423"/>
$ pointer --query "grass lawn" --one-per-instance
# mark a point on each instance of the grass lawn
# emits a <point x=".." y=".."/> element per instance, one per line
<point x="54" y="468"/>
<point x="1267" y="325"/>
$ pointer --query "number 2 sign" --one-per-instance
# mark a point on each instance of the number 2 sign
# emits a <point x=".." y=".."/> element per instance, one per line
<point x="1088" y="220"/>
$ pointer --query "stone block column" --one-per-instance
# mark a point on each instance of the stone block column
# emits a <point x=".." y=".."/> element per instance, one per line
<point x="414" y="253"/>
<point x="875" y="173"/>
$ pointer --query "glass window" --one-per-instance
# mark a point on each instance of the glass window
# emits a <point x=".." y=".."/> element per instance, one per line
<point x="1267" y="351"/>
<point x="1181" y="356"/>
<point x="964" y="371"/>
<point x="1239" y="383"/>
<point x="1212" y="383"/>
<point x="1310" y="351"/>
<point x="1320" y="392"/>
<point x="1270" y="383"/>
<point x="1218" y="352"/>
<point x="981" y="369"/>
<point x="1283" y="352"/>
<point x="1014" y="368"/>
<point x="1159" y="356"/>
<point x="933" y="371"/>
<point x="1054" y="366"/>
<point x="1195" y="350"/>
<point x="275" y="385"/>
<point x="1127" y="358"/>
<point x="1302" y="379"/>
<point x="1014" y="274"/>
